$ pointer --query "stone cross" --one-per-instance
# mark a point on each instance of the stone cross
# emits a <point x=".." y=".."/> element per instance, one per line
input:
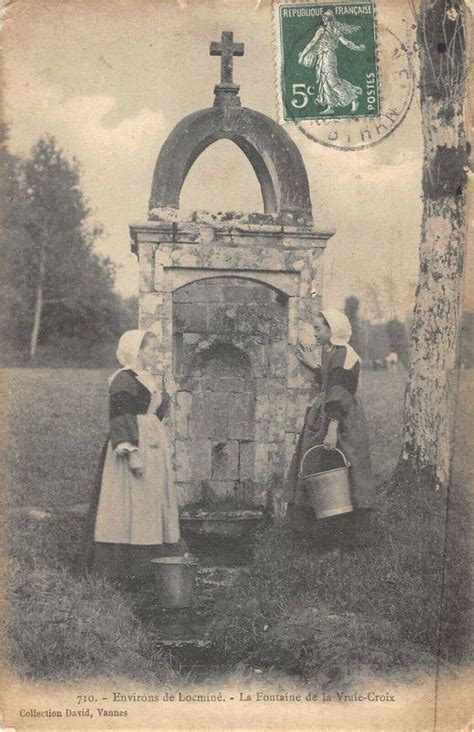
<point x="226" y="49"/>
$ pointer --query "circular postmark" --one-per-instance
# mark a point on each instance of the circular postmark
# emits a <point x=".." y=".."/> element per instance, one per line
<point x="396" y="91"/>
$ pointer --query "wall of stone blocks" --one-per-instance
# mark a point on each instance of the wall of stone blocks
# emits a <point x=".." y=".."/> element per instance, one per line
<point x="227" y="299"/>
<point x="230" y="343"/>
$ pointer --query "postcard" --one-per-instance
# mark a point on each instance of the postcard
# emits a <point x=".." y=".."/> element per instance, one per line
<point x="237" y="365"/>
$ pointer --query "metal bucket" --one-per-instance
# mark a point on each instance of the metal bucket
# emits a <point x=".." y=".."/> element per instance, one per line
<point x="174" y="581"/>
<point x="328" y="490"/>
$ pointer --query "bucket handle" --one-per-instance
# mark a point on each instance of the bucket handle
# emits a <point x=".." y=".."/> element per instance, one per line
<point x="317" y="447"/>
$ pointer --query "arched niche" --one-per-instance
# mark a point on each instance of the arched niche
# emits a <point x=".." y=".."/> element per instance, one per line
<point x="222" y="360"/>
<point x="224" y="316"/>
<point x="273" y="155"/>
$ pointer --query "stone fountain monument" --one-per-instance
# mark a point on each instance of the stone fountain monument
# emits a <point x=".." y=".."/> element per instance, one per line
<point x="227" y="295"/>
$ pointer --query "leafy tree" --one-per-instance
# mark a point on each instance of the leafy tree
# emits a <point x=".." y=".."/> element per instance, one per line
<point x="57" y="285"/>
<point x="56" y="216"/>
<point x="16" y="250"/>
<point x="397" y="339"/>
<point x="374" y="302"/>
<point x="351" y="309"/>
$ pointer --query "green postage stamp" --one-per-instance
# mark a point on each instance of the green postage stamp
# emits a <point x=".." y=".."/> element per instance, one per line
<point x="328" y="53"/>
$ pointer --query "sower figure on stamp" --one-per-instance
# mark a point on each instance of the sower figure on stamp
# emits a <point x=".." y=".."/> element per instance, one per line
<point x="320" y="52"/>
<point x="335" y="419"/>
<point x="134" y="509"/>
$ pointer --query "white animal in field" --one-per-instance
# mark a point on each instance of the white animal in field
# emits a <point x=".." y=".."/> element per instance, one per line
<point x="392" y="361"/>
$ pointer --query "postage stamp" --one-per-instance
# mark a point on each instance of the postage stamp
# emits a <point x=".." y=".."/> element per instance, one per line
<point x="345" y="77"/>
<point x="329" y="61"/>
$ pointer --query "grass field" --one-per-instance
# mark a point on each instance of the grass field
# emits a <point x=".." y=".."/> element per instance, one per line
<point x="57" y="425"/>
<point x="378" y="608"/>
<point x="58" y="422"/>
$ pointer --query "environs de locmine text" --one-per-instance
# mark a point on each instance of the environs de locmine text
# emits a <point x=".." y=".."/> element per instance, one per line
<point x="180" y="696"/>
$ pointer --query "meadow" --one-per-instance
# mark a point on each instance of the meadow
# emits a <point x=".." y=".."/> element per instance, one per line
<point x="323" y="617"/>
<point x="58" y="423"/>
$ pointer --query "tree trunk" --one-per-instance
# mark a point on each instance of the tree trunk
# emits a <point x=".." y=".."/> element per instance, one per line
<point x="39" y="304"/>
<point x="431" y="391"/>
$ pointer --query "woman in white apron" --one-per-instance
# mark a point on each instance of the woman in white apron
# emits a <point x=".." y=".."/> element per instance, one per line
<point x="134" y="510"/>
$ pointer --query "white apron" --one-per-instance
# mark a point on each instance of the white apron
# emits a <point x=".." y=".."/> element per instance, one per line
<point x="140" y="510"/>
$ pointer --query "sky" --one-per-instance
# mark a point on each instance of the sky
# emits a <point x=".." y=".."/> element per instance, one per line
<point x="111" y="79"/>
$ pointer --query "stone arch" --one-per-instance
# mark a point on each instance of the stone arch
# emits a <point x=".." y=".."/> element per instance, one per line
<point x="284" y="287"/>
<point x="273" y="155"/>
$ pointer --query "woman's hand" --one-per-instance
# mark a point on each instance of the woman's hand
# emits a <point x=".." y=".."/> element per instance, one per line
<point x="307" y="356"/>
<point x="330" y="441"/>
<point x="124" y="448"/>
<point x="135" y="464"/>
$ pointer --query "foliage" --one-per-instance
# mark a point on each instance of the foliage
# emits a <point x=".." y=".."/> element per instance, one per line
<point x="351" y="309"/>
<point x="387" y="299"/>
<point x="16" y="245"/>
<point x="59" y="625"/>
<point x="402" y="603"/>
<point x="398" y="340"/>
<point x="376" y="345"/>
<point x="48" y="227"/>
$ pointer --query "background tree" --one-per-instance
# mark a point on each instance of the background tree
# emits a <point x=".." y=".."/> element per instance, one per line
<point x="351" y="309"/>
<point x="57" y="286"/>
<point x="430" y="397"/>
<point x="16" y="249"/>
<point x="397" y="340"/>
<point x="374" y="304"/>
<point x="56" y="216"/>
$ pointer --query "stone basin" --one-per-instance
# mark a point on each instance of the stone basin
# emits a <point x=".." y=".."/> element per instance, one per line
<point x="222" y="524"/>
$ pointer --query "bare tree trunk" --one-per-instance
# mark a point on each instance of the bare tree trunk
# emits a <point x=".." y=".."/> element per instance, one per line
<point x="39" y="304"/>
<point x="431" y="391"/>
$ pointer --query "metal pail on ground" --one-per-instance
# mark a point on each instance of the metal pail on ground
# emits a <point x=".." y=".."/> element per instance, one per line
<point x="328" y="490"/>
<point x="174" y="581"/>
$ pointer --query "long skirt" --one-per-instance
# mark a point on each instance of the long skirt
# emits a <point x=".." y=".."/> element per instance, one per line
<point x="133" y="519"/>
<point x="354" y="443"/>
